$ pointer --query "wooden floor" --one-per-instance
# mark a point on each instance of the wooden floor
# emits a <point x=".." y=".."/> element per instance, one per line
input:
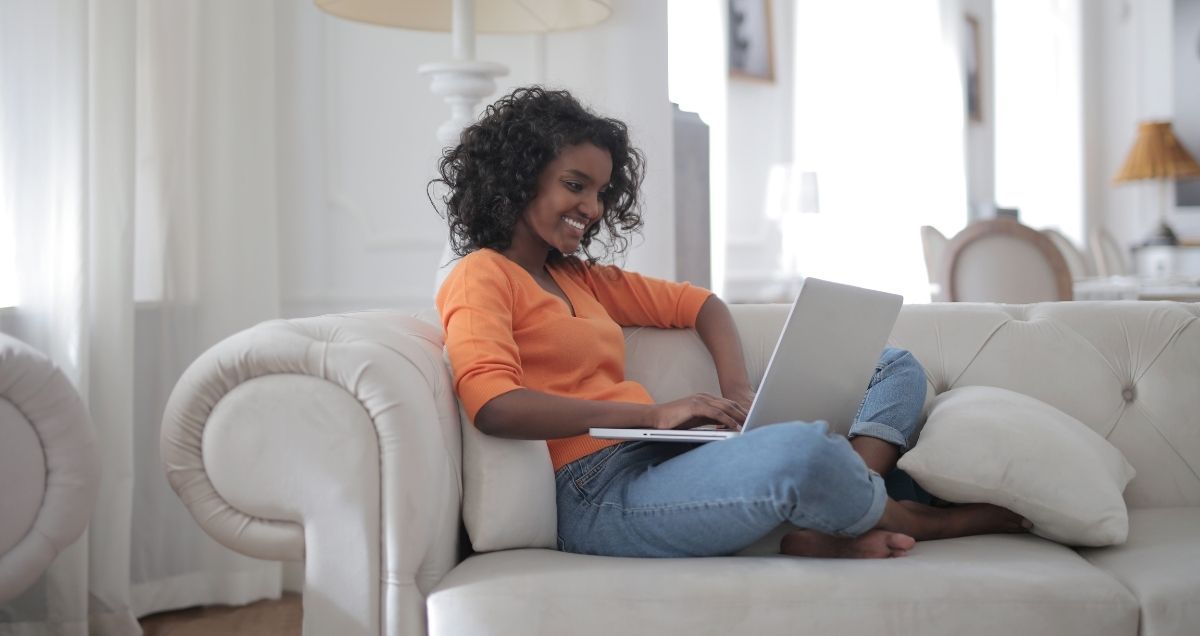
<point x="264" y="618"/>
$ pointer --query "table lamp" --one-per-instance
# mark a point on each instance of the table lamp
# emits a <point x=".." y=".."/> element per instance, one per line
<point x="463" y="80"/>
<point x="1158" y="155"/>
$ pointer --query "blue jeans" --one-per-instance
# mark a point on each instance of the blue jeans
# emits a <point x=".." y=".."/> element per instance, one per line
<point x="659" y="499"/>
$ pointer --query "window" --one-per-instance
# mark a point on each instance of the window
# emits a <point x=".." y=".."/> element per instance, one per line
<point x="879" y="118"/>
<point x="1039" y="113"/>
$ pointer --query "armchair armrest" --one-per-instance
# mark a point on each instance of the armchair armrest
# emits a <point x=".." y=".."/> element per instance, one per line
<point x="335" y="440"/>
<point x="49" y="466"/>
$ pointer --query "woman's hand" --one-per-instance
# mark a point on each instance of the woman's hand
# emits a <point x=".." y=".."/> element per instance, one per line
<point x="700" y="409"/>
<point x="743" y="396"/>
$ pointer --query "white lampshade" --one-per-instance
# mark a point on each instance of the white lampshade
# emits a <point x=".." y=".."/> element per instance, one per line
<point x="491" y="16"/>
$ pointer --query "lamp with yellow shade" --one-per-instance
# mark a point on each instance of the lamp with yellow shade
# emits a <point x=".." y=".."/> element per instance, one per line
<point x="1157" y="155"/>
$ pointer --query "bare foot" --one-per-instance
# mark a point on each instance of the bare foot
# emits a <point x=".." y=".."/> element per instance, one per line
<point x="875" y="544"/>
<point x="927" y="522"/>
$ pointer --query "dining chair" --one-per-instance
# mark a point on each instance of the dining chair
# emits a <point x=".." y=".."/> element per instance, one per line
<point x="1001" y="260"/>
<point x="1110" y="258"/>
<point x="1077" y="261"/>
<point x="933" y="243"/>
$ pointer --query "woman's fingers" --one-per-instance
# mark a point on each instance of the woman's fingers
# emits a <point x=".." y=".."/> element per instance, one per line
<point x="734" y="409"/>
<point x="724" y="412"/>
<point x="700" y="409"/>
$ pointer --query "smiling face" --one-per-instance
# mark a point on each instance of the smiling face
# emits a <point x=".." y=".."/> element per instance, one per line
<point x="567" y="203"/>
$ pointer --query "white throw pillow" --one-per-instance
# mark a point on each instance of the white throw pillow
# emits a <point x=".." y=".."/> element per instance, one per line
<point x="509" y="498"/>
<point x="992" y="445"/>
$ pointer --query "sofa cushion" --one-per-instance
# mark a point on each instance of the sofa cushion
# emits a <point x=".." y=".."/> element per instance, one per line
<point x="1159" y="565"/>
<point x="987" y="444"/>
<point x="999" y="584"/>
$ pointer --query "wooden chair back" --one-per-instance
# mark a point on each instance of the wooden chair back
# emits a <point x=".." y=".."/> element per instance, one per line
<point x="1000" y="260"/>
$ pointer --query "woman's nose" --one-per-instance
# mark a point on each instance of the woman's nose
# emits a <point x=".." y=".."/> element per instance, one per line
<point x="593" y="208"/>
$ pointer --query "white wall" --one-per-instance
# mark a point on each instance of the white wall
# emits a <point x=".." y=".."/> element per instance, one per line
<point x="356" y="229"/>
<point x="979" y="138"/>
<point x="1127" y="79"/>
<point x="758" y="134"/>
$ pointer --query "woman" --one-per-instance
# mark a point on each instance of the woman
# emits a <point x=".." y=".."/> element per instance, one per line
<point x="534" y="336"/>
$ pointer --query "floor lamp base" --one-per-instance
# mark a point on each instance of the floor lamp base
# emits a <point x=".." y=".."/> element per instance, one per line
<point x="461" y="84"/>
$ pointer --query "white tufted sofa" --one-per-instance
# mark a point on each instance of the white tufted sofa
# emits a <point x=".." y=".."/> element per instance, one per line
<point x="49" y="466"/>
<point x="337" y="440"/>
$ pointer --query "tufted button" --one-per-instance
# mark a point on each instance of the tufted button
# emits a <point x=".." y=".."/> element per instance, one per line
<point x="1129" y="393"/>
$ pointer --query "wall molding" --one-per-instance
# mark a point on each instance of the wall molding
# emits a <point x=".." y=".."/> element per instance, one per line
<point x="379" y="238"/>
<point x="307" y="304"/>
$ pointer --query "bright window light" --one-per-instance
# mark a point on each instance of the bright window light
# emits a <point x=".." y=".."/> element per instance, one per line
<point x="1039" y="113"/>
<point x="879" y="117"/>
<point x="8" y="260"/>
<point x="8" y="273"/>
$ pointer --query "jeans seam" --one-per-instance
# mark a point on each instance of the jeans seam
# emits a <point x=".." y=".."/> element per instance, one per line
<point x="880" y="492"/>
<point x="902" y="444"/>
<point x="876" y="378"/>
<point x="700" y="505"/>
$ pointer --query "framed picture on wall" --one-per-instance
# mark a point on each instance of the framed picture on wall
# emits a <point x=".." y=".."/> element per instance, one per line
<point x="750" y="50"/>
<point x="971" y="65"/>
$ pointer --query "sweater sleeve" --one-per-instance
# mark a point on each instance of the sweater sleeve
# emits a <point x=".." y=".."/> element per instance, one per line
<point x="633" y="300"/>
<point x="476" y="307"/>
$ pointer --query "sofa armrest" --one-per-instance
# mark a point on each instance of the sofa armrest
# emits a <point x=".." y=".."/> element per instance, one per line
<point x="335" y="440"/>
<point x="49" y="467"/>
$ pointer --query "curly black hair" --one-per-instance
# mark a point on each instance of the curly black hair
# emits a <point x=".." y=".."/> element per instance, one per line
<point x="492" y="174"/>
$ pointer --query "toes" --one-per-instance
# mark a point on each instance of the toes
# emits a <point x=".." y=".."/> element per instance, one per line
<point x="898" y="541"/>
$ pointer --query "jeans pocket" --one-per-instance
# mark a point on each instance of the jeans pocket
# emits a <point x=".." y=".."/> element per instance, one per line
<point x="594" y="465"/>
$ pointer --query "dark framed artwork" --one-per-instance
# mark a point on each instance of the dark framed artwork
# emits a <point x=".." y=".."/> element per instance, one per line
<point x="971" y="66"/>
<point x="750" y="47"/>
<point x="1186" y="56"/>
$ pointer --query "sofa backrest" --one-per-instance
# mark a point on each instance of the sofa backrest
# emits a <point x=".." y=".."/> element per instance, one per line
<point x="1129" y="370"/>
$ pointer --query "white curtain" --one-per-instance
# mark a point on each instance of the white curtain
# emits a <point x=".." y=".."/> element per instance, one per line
<point x="136" y="136"/>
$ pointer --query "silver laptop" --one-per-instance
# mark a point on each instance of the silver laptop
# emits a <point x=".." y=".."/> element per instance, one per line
<point x="822" y="363"/>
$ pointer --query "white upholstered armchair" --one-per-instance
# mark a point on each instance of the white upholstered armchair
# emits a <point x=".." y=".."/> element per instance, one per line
<point x="49" y="467"/>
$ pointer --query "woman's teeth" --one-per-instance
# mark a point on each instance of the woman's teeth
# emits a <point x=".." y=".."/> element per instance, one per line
<point x="573" y="223"/>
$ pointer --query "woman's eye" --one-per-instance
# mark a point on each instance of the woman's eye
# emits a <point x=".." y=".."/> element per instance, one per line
<point x="574" y="186"/>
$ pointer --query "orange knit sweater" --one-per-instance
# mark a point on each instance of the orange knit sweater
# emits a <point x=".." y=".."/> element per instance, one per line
<point x="504" y="332"/>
